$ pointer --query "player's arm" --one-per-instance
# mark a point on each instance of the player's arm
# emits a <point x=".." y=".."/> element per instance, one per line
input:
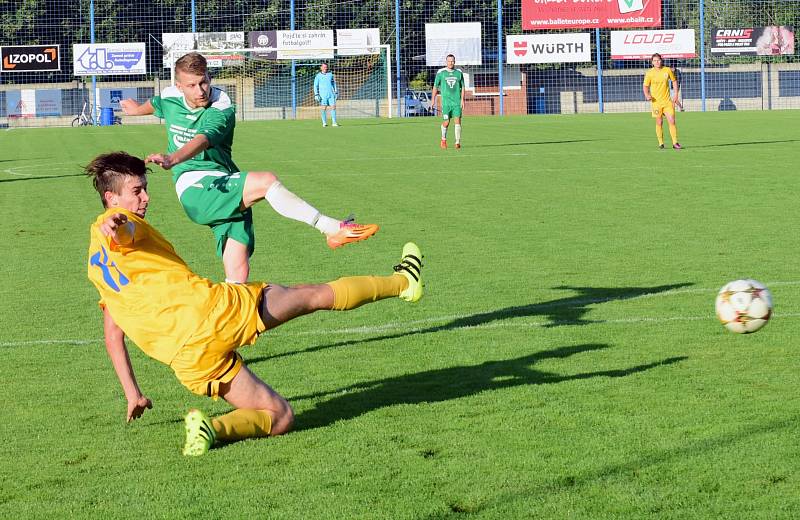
<point x="192" y="147"/>
<point x="131" y="108"/>
<point x="118" y="353"/>
<point x="119" y="229"/>
<point x="334" y="88"/>
<point x="316" y="88"/>
<point x="675" y="85"/>
<point x="464" y="92"/>
<point x="646" y="90"/>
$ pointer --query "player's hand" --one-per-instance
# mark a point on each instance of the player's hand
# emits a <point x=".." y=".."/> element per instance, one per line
<point x="161" y="159"/>
<point x="649" y="98"/>
<point x="129" y="106"/>
<point x="137" y="407"/>
<point x="317" y="98"/>
<point x="111" y="224"/>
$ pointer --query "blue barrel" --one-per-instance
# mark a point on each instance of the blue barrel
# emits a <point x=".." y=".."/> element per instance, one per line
<point x="106" y="116"/>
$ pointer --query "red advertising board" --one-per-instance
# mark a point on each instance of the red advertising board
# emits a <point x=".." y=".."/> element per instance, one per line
<point x="585" y="14"/>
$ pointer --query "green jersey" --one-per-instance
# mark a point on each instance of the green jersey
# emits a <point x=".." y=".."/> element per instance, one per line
<point x="215" y="121"/>
<point x="450" y="83"/>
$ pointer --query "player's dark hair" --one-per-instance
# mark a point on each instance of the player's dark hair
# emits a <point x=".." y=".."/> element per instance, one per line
<point x="108" y="172"/>
<point x="656" y="55"/>
<point x="192" y="63"/>
<point x="450" y="55"/>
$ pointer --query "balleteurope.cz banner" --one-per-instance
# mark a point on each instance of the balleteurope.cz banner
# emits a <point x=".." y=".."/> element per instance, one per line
<point x="583" y="14"/>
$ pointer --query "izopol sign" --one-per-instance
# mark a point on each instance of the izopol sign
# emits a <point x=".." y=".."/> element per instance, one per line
<point x="105" y="59"/>
<point x="30" y="58"/>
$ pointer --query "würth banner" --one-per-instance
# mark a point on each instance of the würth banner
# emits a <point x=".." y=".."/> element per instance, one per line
<point x="750" y="41"/>
<point x="578" y="14"/>
<point x="548" y="48"/>
<point x="639" y="45"/>
<point x="30" y="58"/>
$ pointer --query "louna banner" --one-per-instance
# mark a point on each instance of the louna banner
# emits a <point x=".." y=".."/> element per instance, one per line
<point x="548" y="48"/>
<point x="642" y="44"/>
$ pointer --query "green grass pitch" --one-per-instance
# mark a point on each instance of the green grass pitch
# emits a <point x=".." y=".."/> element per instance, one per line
<point x="565" y="361"/>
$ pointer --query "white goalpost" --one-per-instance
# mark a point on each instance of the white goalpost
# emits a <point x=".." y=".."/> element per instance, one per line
<point x="270" y="83"/>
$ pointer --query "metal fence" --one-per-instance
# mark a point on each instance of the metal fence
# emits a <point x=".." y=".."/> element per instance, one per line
<point x="602" y="83"/>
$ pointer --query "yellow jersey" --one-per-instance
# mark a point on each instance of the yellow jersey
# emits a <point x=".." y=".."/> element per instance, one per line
<point x="658" y="81"/>
<point x="149" y="291"/>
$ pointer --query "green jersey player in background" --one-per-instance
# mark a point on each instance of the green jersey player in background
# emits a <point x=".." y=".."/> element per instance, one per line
<point x="200" y="121"/>
<point x="450" y="82"/>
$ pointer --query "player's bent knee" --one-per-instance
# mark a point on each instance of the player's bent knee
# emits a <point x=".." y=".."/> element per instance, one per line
<point x="282" y="420"/>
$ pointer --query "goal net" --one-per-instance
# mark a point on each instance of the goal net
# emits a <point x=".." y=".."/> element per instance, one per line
<point x="268" y="83"/>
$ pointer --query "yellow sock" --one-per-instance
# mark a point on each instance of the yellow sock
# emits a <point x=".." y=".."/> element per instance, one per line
<point x="660" y="134"/>
<point x="673" y="133"/>
<point x="353" y="291"/>
<point x="242" y="424"/>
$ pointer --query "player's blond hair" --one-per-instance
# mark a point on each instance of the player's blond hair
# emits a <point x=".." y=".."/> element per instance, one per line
<point x="108" y="172"/>
<point x="192" y="63"/>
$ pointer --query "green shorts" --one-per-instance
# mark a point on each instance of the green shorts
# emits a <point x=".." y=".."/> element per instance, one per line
<point x="451" y="110"/>
<point x="214" y="199"/>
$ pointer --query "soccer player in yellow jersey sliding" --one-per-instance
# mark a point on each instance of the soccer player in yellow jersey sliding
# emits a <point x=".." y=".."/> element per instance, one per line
<point x="656" y="90"/>
<point x="149" y="294"/>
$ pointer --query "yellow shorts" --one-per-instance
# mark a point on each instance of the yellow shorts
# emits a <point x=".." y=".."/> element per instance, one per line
<point x="663" y="107"/>
<point x="209" y="357"/>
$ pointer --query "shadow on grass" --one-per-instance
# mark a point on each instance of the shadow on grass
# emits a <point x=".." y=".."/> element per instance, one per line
<point x="450" y="383"/>
<point x="560" y="312"/>
<point x="745" y="143"/>
<point x="534" y="143"/>
<point x="18" y="179"/>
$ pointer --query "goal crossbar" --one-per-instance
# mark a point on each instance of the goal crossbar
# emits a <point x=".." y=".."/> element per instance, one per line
<point x="303" y="56"/>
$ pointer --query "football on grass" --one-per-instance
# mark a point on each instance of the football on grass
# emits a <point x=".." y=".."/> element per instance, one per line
<point x="744" y="306"/>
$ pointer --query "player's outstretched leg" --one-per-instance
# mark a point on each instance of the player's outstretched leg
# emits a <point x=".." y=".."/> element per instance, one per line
<point x="200" y="435"/>
<point x="280" y="304"/>
<point x="351" y="231"/>
<point x="410" y="266"/>
<point x="265" y="185"/>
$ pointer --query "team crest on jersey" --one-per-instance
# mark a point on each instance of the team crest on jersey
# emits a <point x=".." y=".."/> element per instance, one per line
<point x="451" y="81"/>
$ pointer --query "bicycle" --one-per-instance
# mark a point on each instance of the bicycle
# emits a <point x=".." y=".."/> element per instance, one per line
<point x="85" y="117"/>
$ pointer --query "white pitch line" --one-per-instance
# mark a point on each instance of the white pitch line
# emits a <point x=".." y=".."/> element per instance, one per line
<point x="407" y="328"/>
<point x="14" y="170"/>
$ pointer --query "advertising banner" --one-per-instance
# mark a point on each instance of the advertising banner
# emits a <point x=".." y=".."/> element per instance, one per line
<point x="33" y="102"/>
<point x="183" y="43"/>
<point x="641" y="45"/>
<point x="30" y="58"/>
<point x="548" y="48"/>
<point x="265" y="39"/>
<point x="462" y="40"/>
<point x="110" y="97"/>
<point x="582" y="14"/>
<point x="753" y="41"/>
<point x="357" y="41"/>
<point x="104" y="59"/>
<point x="305" y="45"/>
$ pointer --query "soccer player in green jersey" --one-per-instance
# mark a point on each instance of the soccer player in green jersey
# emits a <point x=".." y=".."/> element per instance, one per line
<point x="450" y="82"/>
<point x="200" y="122"/>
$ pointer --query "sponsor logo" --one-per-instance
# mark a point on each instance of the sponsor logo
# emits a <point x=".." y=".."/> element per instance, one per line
<point x="734" y="34"/>
<point x="30" y="58"/>
<point x="520" y="48"/>
<point x="263" y="40"/>
<point x="557" y="48"/>
<point x="629" y="6"/>
<point x="640" y="38"/>
<point x="451" y="81"/>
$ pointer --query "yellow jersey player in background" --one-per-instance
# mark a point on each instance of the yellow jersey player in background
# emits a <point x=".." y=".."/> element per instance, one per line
<point x="656" y="90"/>
<point x="148" y="293"/>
